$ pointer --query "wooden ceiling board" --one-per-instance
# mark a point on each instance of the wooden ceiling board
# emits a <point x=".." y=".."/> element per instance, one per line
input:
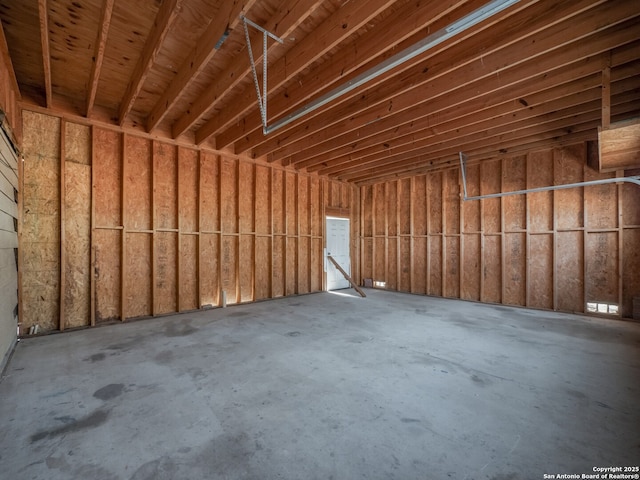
<point x="22" y="29"/>
<point x="528" y="77"/>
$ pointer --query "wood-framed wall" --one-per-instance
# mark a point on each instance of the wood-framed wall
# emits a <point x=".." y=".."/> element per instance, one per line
<point x="549" y="250"/>
<point x="130" y="226"/>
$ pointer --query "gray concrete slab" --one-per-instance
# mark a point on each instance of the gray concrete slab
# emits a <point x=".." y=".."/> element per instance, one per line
<point x="326" y="386"/>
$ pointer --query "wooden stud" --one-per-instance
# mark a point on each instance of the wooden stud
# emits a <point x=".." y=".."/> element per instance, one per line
<point x="620" y="229"/>
<point x="237" y="238"/>
<point x="199" y="229"/>
<point x="179" y="236"/>
<point x="398" y="236"/>
<point x="461" y="239"/>
<point x="527" y="211"/>
<point x="154" y="226"/>
<point x="271" y="235"/>
<point x="63" y="253"/>
<point x="310" y="243"/>
<point x="443" y="249"/>
<point x="554" y="203"/>
<point x="503" y="253"/>
<point x="411" y="234"/>
<point x="482" y="234"/>
<point x="585" y="234"/>
<point x="297" y="250"/>
<point x="254" y="238"/>
<point x="123" y="238"/>
<point x="386" y="230"/>
<point x="221" y="295"/>
<point x="92" y="271"/>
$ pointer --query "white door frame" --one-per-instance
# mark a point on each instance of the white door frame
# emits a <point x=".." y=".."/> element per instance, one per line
<point x="333" y="279"/>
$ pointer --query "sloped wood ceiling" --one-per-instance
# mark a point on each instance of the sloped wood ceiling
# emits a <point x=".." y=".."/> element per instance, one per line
<point x="529" y="77"/>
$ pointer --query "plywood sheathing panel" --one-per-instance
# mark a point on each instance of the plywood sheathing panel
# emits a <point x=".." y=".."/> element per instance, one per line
<point x="435" y="266"/>
<point x="165" y="170"/>
<point x="209" y="194"/>
<point x="540" y="174"/>
<point x="262" y="267"/>
<point x="189" y="295"/>
<point x="568" y="168"/>
<point x="40" y="276"/>
<point x="541" y="271"/>
<point x="166" y="289"/>
<point x="77" y="244"/>
<point x="405" y="263"/>
<point x="188" y="188"/>
<point x="569" y="271"/>
<point x="491" y="174"/>
<point x="602" y="267"/>
<point x="262" y="211"/>
<point x="107" y="245"/>
<point x="514" y="269"/>
<point x="492" y="269"/>
<point x="631" y="270"/>
<point x="138" y="275"/>
<point x="472" y="255"/>
<point x="107" y="174"/>
<point x="419" y="284"/>
<point x="137" y="184"/>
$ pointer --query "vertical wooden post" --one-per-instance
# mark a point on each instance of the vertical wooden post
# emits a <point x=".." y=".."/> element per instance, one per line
<point x="220" y="233"/>
<point x="412" y="267"/>
<point x="92" y="268"/>
<point x="297" y="214"/>
<point x="179" y="239"/>
<point x="585" y="233"/>
<point x="323" y="187"/>
<point x="427" y="227"/>
<point x="63" y="253"/>
<point x="527" y="237"/>
<point x="271" y="239"/>
<point x="443" y="249"/>
<point x="154" y="225"/>
<point x="398" y="236"/>
<point x="361" y="222"/>
<point x="310" y="242"/>
<point x="386" y="229"/>
<point x="503" y="252"/>
<point x="238" y="233"/>
<point x="460" y="241"/>
<point x="554" y="203"/>
<point x="123" y="239"/>
<point x="199" y="229"/>
<point x="620" y="190"/>
<point x="254" y="186"/>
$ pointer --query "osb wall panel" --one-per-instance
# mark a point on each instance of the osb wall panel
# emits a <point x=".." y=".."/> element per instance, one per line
<point x="77" y="225"/>
<point x="151" y="228"/>
<point x="552" y="250"/>
<point x="40" y="240"/>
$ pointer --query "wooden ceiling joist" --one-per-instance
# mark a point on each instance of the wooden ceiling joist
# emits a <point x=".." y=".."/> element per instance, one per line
<point x="163" y="23"/>
<point x="394" y="97"/>
<point x="225" y="20"/>
<point x="43" y="15"/>
<point x="98" y="54"/>
<point x="344" y="22"/>
<point x="578" y="76"/>
<point x="282" y="24"/>
<point x="362" y="54"/>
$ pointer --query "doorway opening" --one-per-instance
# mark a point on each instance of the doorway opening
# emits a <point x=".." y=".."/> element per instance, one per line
<point x="338" y="247"/>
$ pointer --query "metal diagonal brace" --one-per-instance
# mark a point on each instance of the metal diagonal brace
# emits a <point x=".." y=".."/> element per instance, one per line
<point x="262" y="97"/>
<point x="463" y="170"/>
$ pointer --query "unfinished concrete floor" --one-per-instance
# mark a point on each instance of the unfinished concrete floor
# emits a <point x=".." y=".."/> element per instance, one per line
<point x="326" y="386"/>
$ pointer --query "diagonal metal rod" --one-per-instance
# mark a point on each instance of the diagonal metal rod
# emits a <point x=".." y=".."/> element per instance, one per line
<point x="463" y="169"/>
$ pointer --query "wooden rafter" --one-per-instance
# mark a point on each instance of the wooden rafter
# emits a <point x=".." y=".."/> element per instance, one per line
<point x="426" y="117"/>
<point x="46" y="54"/>
<point x="225" y="20"/>
<point x="282" y="24"/>
<point x="364" y="52"/>
<point x="98" y="54"/>
<point x="164" y="20"/>
<point x="344" y="22"/>
<point x="393" y="97"/>
<point x="4" y="51"/>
